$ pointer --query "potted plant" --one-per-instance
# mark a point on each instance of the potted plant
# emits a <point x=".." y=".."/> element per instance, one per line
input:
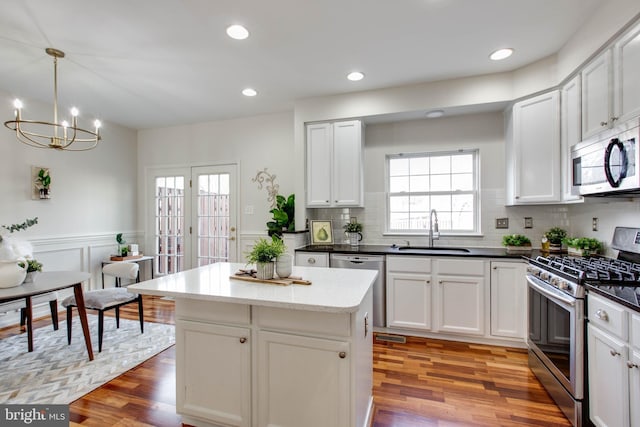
<point x="13" y="251"/>
<point x="33" y="268"/>
<point x="263" y="254"/>
<point x="283" y="215"/>
<point x="43" y="181"/>
<point x="582" y="246"/>
<point x="516" y="243"/>
<point x="122" y="245"/>
<point x="554" y="237"/>
<point x="353" y="230"/>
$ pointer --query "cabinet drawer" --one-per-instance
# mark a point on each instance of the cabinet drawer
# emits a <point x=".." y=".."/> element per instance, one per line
<point x="634" y="340"/>
<point x="607" y="315"/>
<point x="408" y="264"/>
<point x="312" y="259"/>
<point x="212" y="311"/>
<point x="461" y="267"/>
<point x="313" y="322"/>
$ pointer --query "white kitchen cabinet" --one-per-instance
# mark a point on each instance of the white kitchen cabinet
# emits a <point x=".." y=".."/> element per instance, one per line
<point x="533" y="151"/>
<point x="508" y="299"/>
<point x="611" y="85"/>
<point x="459" y="296"/>
<point x="570" y="134"/>
<point x="312" y="259"/>
<point x="596" y="95"/>
<point x="214" y="354"/>
<point x="608" y="379"/>
<point x="626" y="78"/>
<point x="335" y="164"/>
<point x="287" y="384"/>
<point x="409" y="292"/>
<point x="613" y="336"/>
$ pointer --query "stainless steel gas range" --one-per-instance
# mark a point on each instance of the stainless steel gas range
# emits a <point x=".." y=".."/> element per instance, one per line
<point x="557" y="315"/>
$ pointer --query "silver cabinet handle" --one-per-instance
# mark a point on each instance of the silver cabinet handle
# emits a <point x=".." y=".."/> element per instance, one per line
<point x="342" y="354"/>
<point x="631" y="365"/>
<point x="243" y="340"/>
<point x="311" y="260"/>
<point x="602" y="315"/>
<point x="614" y="353"/>
<point x="428" y="281"/>
<point x="440" y="282"/>
<point x="604" y="123"/>
<point x="366" y="325"/>
<point x="613" y="119"/>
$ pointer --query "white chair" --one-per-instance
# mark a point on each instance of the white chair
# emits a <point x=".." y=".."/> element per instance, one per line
<point x="110" y="298"/>
<point x="50" y="297"/>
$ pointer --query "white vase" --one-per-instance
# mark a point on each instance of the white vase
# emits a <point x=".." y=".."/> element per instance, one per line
<point x="11" y="274"/>
<point x="283" y="265"/>
<point x="31" y="276"/>
<point x="264" y="270"/>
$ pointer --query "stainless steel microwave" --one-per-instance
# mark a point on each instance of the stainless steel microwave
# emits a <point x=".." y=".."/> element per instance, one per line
<point x="607" y="164"/>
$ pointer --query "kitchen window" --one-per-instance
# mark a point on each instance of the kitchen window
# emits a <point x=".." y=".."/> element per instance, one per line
<point x="444" y="181"/>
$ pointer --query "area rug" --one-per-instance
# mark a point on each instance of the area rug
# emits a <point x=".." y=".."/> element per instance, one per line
<point x="59" y="373"/>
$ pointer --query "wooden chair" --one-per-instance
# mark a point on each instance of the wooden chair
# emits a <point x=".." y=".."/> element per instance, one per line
<point x="110" y="298"/>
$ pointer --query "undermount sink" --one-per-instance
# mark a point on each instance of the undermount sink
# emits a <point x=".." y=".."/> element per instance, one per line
<point x="433" y="249"/>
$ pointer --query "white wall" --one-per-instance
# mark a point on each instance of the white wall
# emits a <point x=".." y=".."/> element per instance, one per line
<point x="94" y="193"/>
<point x="254" y="143"/>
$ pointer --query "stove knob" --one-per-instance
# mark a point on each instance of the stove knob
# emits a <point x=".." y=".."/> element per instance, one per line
<point x="564" y="285"/>
<point x="555" y="282"/>
<point x="545" y="276"/>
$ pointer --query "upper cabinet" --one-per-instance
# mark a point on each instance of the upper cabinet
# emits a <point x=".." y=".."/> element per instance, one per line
<point x="570" y="134"/>
<point x="533" y="150"/>
<point x="611" y="85"/>
<point x="335" y="164"/>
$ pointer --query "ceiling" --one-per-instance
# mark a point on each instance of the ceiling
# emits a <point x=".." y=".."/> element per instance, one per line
<point x="156" y="63"/>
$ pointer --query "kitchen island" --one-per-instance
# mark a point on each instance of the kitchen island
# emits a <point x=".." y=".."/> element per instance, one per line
<point x="256" y="354"/>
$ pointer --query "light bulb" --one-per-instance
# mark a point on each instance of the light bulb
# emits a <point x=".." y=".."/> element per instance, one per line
<point x="355" y="76"/>
<point x="74" y="112"/>
<point x="501" y="54"/>
<point x="249" y="92"/>
<point x="65" y="124"/>
<point x="237" y="32"/>
<point x="17" y="103"/>
<point x="97" y="124"/>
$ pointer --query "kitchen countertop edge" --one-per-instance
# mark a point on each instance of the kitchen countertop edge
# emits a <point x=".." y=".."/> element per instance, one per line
<point x="477" y="252"/>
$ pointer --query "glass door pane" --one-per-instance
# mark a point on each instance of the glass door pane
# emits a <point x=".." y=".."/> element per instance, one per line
<point x="169" y="233"/>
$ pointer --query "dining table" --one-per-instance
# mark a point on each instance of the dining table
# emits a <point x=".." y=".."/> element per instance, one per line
<point x="48" y="281"/>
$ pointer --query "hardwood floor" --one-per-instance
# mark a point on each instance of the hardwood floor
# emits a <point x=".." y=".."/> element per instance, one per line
<point x="421" y="383"/>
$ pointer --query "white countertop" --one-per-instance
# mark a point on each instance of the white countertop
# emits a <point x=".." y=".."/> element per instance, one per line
<point x="332" y="289"/>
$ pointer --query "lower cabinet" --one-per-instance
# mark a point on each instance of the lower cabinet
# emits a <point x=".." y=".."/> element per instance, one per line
<point x="312" y="259"/>
<point x="508" y="299"/>
<point x="294" y="371"/>
<point x="613" y="354"/>
<point x="241" y="365"/>
<point x="214" y="354"/>
<point x="409" y="291"/>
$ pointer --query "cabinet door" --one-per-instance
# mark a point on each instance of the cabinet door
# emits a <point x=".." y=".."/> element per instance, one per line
<point x="571" y="134"/>
<point x="303" y="381"/>
<point x="536" y="149"/>
<point x="508" y="299"/>
<point x="213" y="354"/>
<point x="312" y="259"/>
<point x="460" y="304"/>
<point x="608" y="379"/>
<point x="596" y="98"/>
<point x="347" y="164"/>
<point x="626" y="79"/>
<point x="319" y="164"/>
<point x="409" y="301"/>
<point x="634" y="388"/>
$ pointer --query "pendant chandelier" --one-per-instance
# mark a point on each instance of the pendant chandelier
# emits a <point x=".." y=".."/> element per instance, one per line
<point x="55" y="135"/>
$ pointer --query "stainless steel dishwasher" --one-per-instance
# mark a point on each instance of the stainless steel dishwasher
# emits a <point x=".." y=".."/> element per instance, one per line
<point x="368" y="262"/>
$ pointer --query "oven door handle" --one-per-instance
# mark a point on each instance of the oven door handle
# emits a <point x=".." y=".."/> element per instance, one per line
<point x="548" y="293"/>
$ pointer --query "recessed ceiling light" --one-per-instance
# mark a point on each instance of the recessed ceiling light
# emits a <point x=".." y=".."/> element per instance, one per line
<point x="355" y="76"/>
<point x="501" y="54"/>
<point x="237" y="32"/>
<point x="249" y="92"/>
<point x="435" y="114"/>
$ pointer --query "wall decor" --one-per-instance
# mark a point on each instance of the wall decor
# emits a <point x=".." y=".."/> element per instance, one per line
<point x="321" y="233"/>
<point x="272" y="187"/>
<point x="41" y="179"/>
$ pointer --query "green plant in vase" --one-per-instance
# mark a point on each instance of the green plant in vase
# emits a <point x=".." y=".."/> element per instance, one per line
<point x="283" y="215"/>
<point x="353" y="230"/>
<point x="516" y="243"/>
<point x="263" y="255"/>
<point x="554" y="237"/>
<point x="582" y="246"/>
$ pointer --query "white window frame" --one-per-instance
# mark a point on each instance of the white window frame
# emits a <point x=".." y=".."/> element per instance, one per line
<point x="475" y="192"/>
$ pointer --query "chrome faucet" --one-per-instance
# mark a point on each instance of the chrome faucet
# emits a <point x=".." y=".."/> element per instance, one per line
<point x="434" y="231"/>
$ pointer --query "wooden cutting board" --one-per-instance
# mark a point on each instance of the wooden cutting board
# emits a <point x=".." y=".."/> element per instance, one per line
<point x="279" y="281"/>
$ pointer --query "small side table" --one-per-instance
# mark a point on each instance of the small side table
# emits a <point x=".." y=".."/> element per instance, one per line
<point x="138" y="260"/>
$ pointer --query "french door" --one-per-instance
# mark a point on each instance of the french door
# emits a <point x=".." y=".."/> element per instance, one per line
<point x="193" y="217"/>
